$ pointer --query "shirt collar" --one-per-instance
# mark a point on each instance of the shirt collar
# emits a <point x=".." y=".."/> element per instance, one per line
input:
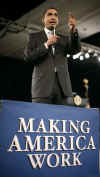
<point x="47" y="31"/>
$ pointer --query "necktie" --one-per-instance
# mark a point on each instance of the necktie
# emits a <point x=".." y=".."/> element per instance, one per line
<point x="53" y="46"/>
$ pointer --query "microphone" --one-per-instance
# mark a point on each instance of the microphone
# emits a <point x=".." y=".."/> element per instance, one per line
<point x="53" y="33"/>
<point x="53" y="30"/>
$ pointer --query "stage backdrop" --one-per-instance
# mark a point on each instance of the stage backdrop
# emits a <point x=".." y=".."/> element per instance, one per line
<point x="41" y="140"/>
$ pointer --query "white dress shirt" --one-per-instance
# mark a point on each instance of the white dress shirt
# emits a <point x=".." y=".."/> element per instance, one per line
<point x="49" y="33"/>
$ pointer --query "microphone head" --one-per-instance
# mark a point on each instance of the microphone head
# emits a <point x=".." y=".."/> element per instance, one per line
<point x="52" y="28"/>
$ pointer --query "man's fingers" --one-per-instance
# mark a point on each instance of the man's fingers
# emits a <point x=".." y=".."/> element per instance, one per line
<point x="72" y="20"/>
<point x="54" y="37"/>
<point x="70" y="15"/>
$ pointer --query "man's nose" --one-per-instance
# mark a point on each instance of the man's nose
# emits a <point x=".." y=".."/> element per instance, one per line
<point x="53" y="17"/>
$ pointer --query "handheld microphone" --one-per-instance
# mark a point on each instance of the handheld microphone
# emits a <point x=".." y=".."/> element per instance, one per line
<point x="53" y="46"/>
<point x="53" y="30"/>
<point x="54" y="33"/>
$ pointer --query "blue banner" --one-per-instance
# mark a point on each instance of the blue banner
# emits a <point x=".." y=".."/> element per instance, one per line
<point x="41" y="140"/>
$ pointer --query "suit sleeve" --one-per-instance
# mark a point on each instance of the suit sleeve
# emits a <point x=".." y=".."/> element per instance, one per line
<point x="73" y="45"/>
<point x="34" y="52"/>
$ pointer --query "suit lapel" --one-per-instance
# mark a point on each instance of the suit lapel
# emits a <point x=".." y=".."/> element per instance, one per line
<point x="43" y="36"/>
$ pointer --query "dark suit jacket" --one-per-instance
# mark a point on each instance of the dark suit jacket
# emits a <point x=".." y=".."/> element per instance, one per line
<point x="44" y="62"/>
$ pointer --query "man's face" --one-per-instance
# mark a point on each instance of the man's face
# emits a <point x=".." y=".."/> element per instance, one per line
<point x="51" y="19"/>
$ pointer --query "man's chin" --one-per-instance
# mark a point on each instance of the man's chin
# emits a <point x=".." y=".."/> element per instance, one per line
<point x="52" y="27"/>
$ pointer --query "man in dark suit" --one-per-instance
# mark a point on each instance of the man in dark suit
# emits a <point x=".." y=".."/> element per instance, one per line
<point x="47" y="51"/>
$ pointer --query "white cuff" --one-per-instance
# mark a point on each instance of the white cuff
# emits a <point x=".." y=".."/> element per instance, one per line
<point x="46" y="45"/>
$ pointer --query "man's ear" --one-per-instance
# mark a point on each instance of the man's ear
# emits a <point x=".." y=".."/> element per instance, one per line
<point x="43" y="21"/>
<point x="58" y="22"/>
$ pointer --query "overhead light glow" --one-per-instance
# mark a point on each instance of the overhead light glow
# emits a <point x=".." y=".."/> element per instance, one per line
<point x="99" y="58"/>
<point x="77" y="55"/>
<point x="81" y="57"/>
<point x="87" y="55"/>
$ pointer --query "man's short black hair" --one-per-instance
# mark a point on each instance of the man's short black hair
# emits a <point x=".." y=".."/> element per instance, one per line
<point x="48" y="9"/>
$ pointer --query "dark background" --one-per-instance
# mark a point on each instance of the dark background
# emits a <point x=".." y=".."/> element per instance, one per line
<point x="15" y="79"/>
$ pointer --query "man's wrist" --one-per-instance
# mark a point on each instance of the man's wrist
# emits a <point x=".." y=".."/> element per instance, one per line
<point x="74" y="32"/>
